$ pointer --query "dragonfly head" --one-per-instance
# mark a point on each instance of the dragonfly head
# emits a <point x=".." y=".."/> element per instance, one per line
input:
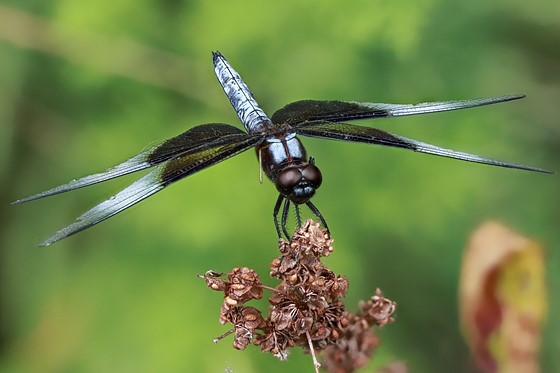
<point x="298" y="183"/>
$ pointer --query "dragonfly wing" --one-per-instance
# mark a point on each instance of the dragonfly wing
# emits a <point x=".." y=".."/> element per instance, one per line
<point x="129" y="196"/>
<point x="190" y="141"/>
<point x="301" y="113"/>
<point x="136" y="163"/>
<point x="360" y="134"/>
<point x="159" y="178"/>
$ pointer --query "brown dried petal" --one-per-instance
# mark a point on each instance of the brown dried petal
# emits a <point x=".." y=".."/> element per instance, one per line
<point x="339" y="287"/>
<point x="275" y="343"/>
<point x="287" y="263"/>
<point x="245" y="285"/>
<point x="281" y="318"/>
<point x="225" y="314"/>
<point x="212" y="280"/>
<point x="243" y="337"/>
<point x="252" y="318"/>
<point x="303" y="324"/>
<point x="320" y="331"/>
<point x="230" y="302"/>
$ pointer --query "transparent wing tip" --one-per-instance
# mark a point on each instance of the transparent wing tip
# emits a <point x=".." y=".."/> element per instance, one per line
<point x="27" y="199"/>
<point x="46" y="242"/>
<point x="56" y="237"/>
<point x="529" y="168"/>
<point x="543" y="171"/>
<point x="70" y="230"/>
<point x="513" y="97"/>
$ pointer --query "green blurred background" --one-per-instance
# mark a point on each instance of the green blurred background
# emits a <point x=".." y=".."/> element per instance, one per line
<point x="84" y="85"/>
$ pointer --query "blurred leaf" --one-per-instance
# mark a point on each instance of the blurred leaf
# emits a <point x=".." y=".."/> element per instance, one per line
<point x="503" y="299"/>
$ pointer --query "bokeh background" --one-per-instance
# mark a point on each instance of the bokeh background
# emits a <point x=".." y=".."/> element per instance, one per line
<point x="86" y="84"/>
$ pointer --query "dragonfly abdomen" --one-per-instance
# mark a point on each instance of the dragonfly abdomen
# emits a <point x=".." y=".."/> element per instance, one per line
<point x="251" y="115"/>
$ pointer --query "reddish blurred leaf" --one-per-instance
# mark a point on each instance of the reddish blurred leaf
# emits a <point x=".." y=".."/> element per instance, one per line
<point x="503" y="299"/>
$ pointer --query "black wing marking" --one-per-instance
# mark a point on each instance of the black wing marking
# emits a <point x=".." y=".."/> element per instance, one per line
<point x="312" y="112"/>
<point x="353" y="133"/>
<point x="193" y="140"/>
<point x="159" y="178"/>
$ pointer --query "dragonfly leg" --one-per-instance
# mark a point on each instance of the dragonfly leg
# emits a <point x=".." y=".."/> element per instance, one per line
<point x="318" y="214"/>
<point x="285" y="217"/>
<point x="275" y="214"/>
<point x="298" y="215"/>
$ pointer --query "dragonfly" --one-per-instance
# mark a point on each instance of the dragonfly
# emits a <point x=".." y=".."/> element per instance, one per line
<point x="280" y="153"/>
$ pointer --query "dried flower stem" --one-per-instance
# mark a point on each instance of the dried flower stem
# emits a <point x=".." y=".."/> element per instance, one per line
<point x="270" y="288"/>
<point x="219" y="338"/>
<point x="315" y="362"/>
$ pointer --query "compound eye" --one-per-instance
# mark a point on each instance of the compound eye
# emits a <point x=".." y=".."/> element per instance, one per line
<point x="287" y="180"/>
<point x="312" y="174"/>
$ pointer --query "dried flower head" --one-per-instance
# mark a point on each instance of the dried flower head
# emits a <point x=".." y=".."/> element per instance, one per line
<point x="305" y="309"/>
<point x="355" y="347"/>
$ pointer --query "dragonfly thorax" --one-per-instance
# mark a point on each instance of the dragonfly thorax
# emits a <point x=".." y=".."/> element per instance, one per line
<point x="284" y="161"/>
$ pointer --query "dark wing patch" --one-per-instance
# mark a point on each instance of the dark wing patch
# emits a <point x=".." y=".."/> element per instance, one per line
<point x="311" y="112"/>
<point x="193" y="140"/>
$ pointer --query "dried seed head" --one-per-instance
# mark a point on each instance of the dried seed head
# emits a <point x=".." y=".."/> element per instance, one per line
<point x="310" y="239"/>
<point x="244" y="285"/>
<point x="305" y="309"/>
<point x="353" y="348"/>
<point x="378" y="309"/>
<point x="242" y="338"/>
